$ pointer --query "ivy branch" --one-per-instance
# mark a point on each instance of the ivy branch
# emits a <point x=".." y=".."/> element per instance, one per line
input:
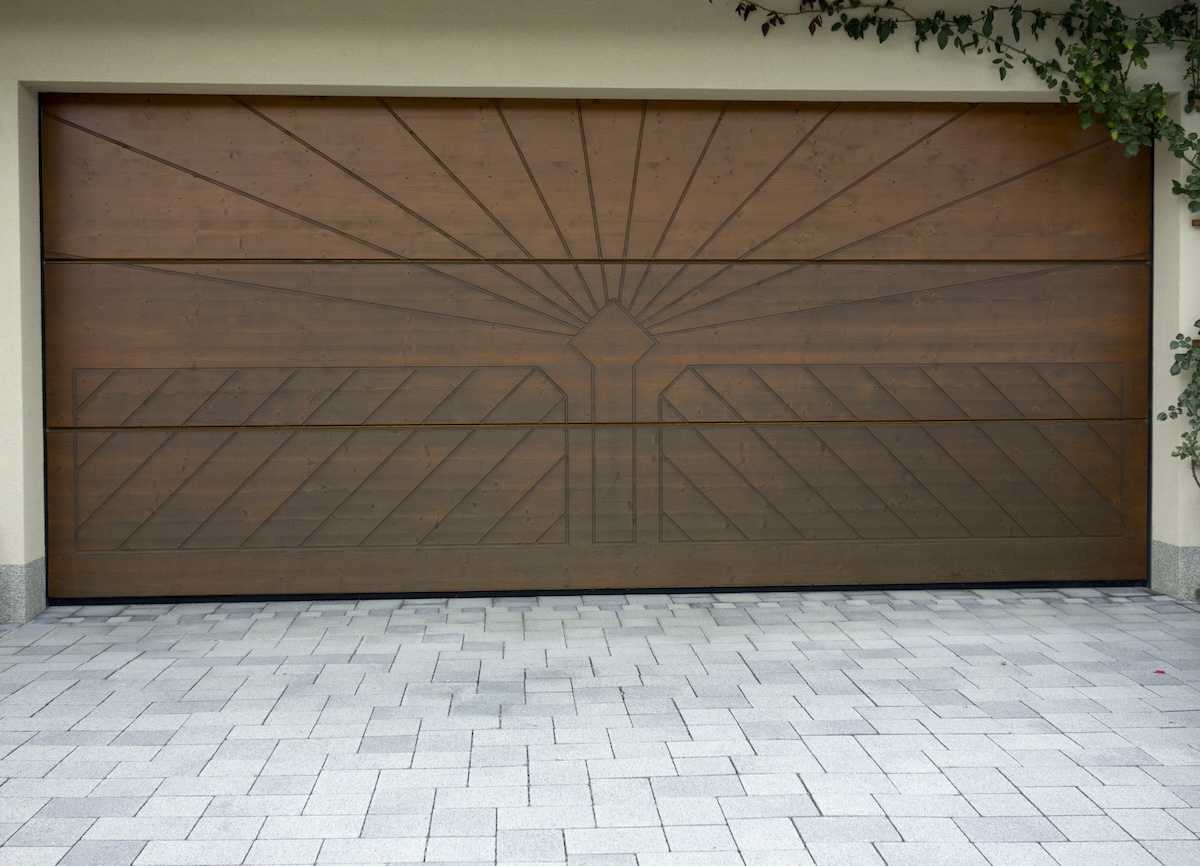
<point x="1096" y="48"/>
<point x="1187" y="404"/>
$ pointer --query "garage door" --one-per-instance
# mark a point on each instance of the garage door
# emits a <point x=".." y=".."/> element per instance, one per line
<point x="340" y="345"/>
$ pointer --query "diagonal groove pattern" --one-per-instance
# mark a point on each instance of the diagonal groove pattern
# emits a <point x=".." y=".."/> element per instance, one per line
<point x="292" y="490"/>
<point x="465" y="188"/>
<point x="880" y="166"/>
<point x="740" y="207"/>
<point x="557" y="326"/>
<point x="682" y="195"/>
<point x="637" y="162"/>
<point x="718" y="339"/>
<point x="944" y="467"/>
<point x="968" y="197"/>
<point x="562" y="314"/>
<point x="353" y="175"/>
<point x="161" y="521"/>
<point x="547" y="480"/>
<point x="886" y="293"/>
<point x="387" y="253"/>
<point x="692" y="488"/>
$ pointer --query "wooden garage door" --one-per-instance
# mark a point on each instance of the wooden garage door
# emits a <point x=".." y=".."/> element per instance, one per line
<point x="386" y="345"/>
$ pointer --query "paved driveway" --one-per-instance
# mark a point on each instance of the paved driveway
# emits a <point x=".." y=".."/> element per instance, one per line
<point x="1001" y="727"/>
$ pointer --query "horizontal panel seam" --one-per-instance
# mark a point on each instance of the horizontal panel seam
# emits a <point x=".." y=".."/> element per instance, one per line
<point x="587" y="425"/>
<point x="51" y="259"/>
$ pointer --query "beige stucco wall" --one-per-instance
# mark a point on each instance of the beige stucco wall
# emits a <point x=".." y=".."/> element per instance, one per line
<point x="677" y="48"/>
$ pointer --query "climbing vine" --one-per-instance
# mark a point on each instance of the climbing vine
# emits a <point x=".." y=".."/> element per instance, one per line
<point x="1087" y="53"/>
<point x="1187" y="405"/>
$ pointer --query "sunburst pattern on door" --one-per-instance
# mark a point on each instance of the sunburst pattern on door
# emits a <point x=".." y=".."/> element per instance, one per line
<point x="612" y="249"/>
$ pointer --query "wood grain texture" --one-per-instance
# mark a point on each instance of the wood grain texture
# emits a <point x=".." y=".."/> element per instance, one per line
<point x="402" y="345"/>
<point x="600" y="567"/>
<point x="478" y="179"/>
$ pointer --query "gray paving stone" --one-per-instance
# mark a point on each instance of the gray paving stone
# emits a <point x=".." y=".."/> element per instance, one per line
<point x="546" y="817"/>
<point x="689" y="811"/>
<point x="615" y="840"/>
<point x="844" y="854"/>
<point x="930" y="806"/>
<point x="698" y="838"/>
<point x="463" y="822"/>
<point x="185" y="853"/>
<point x="137" y="828"/>
<point x="296" y="785"/>
<point x="928" y="853"/>
<point x="770" y="806"/>
<point x="692" y="858"/>
<point x="47" y="856"/>
<point x="337" y="804"/>
<point x="530" y="846"/>
<point x="1016" y="854"/>
<point x="92" y="807"/>
<point x="311" y="827"/>
<point x="460" y="849"/>
<point x="624" y="803"/>
<point x="880" y="726"/>
<point x="487" y="797"/>
<point x="1009" y="829"/>
<point x="226" y="828"/>
<point x="1090" y="853"/>
<point x="696" y="786"/>
<point x="1090" y="828"/>
<point x="928" y="829"/>
<point x="777" y="858"/>
<point x="256" y="805"/>
<point x="1175" y="853"/>
<point x="560" y="795"/>
<point x="46" y="832"/>
<point x="765" y="834"/>
<point x="87" y="853"/>
<point x="846" y="829"/>
<point x="1150" y="824"/>
<point x="1189" y="818"/>
<point x="852" y="805"/>
<point x="602" y="860"/>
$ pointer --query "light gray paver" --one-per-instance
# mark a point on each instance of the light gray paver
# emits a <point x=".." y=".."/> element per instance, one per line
<point x="844" y="854"/>
<point x="185" y="853"/>
<point x="1016" y="854"/>
<point x="366" y="852"/>
<point x="531" y="846"/>
<point x="1175" y="853"/>
<point x="48" y="856"/>
<point x="927" y="853"/>
<point x="614" y="840"/>
<point x="283" y="852"/>
<point x="87" y="853"/>
<point x="991" y="726"/>
<point x="1089" y="828"/>
<point x="764" y="834"/>
<point x="1091" y="853"/>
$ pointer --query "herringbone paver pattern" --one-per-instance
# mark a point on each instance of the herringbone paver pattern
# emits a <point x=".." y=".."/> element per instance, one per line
<point x="994" y="727"/>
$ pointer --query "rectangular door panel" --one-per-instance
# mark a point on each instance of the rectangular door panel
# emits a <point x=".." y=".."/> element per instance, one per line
<point x="357" y="345"/>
